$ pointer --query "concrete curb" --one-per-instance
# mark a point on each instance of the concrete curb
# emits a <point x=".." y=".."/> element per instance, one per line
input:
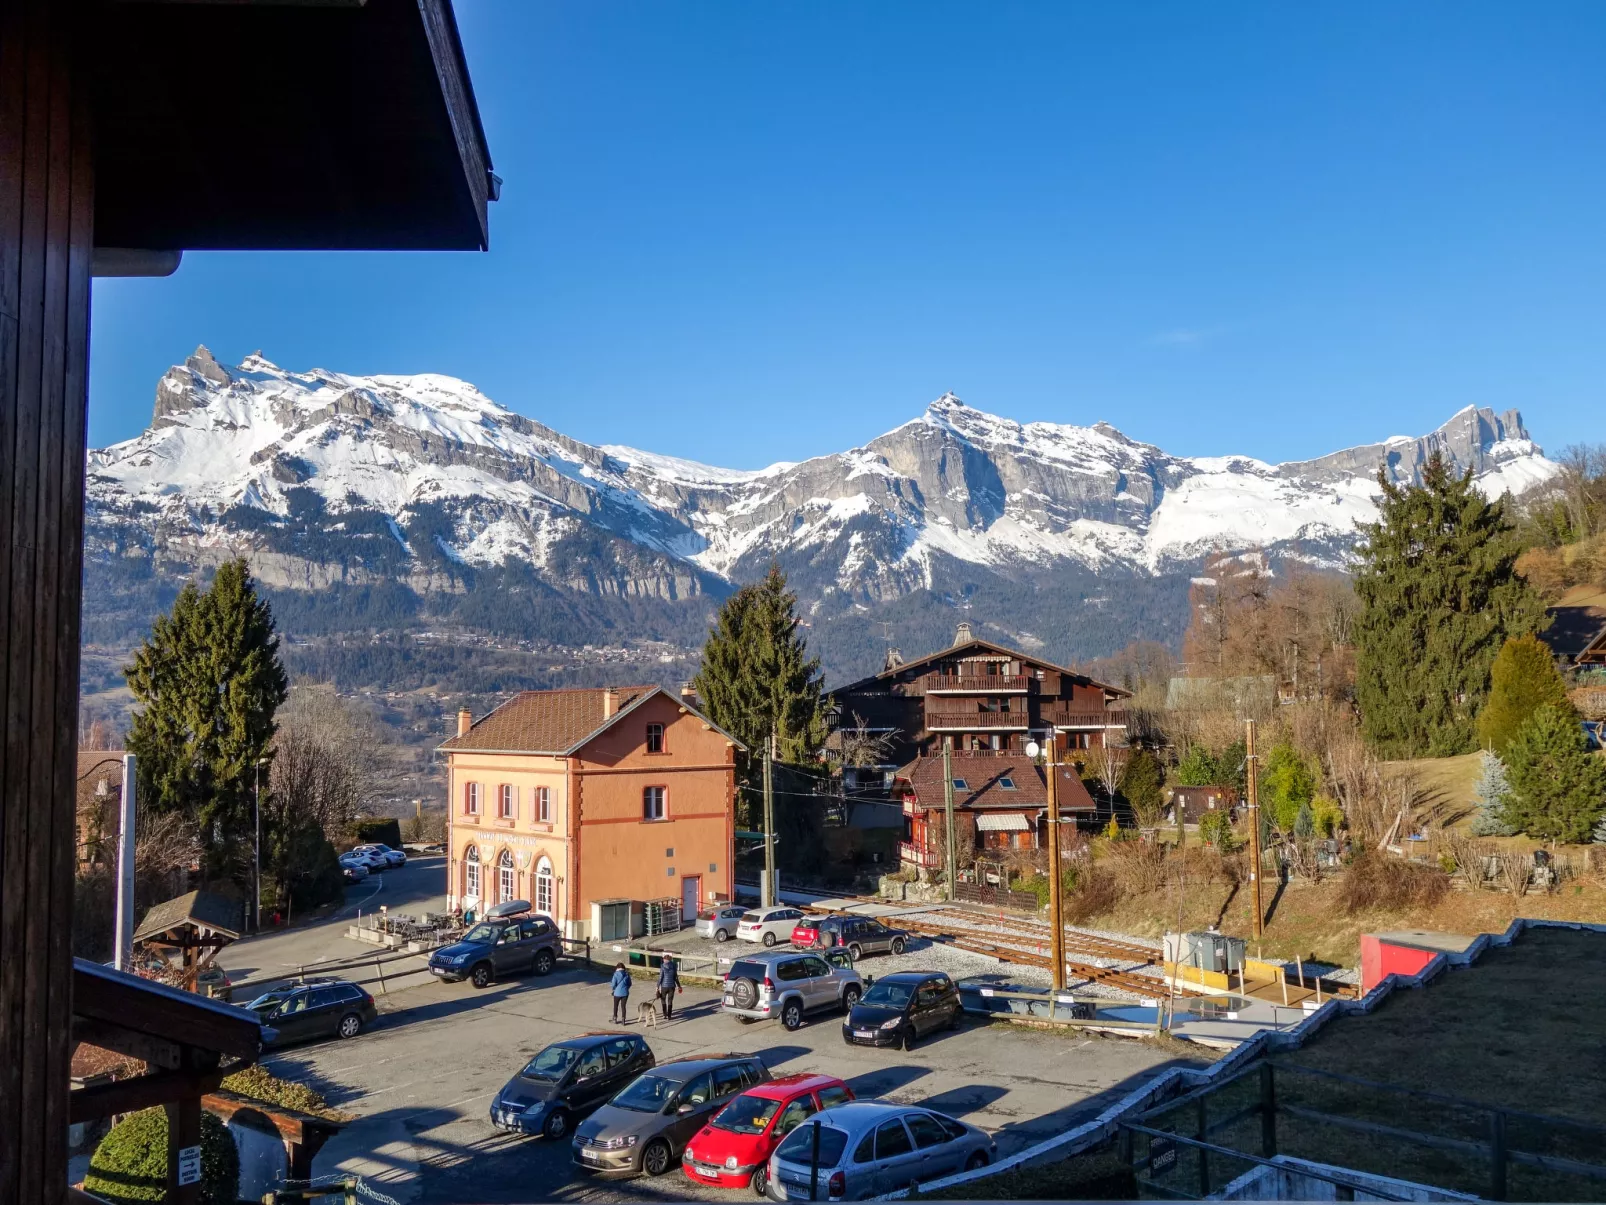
<point x="1180" y="1079"/>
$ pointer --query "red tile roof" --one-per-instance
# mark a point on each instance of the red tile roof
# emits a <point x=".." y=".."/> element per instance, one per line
<point x="544" y="721"/>
<point x="983" y="777"/>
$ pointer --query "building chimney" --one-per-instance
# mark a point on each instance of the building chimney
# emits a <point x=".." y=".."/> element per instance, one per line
<point x="610" y="702"/>
<point x="894" y="659"/>
<point x="688" y="694"/>
<point x="465" y="721"/>
<point x="962" y="634"/>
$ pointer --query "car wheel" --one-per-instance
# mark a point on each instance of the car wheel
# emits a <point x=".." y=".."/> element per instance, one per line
<point x="544" y="962"/>
<point x="953" y="1021"/>
<point x="761" y="1179"/>
<point x="655" y="1159"/>
<point x="350" y="1026"/>
<point x="979" y="1159"/>
<point x="850" y="997"/>
<point x="899" y="945"/>
<point x="792" y="1015"/>
<point x="855" y="952"/>
<point x="769" y="939"/>
<point x="481" y="976"/>
<point x="557" y="1125"/>
<point x="722" y="935"/>
<point x="908" y="1037"/>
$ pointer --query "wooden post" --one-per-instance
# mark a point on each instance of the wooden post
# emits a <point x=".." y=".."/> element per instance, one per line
<point x="1497" y="1155"/>
<point x="183" y="1130"/>
<point x="1251" y="769"/>
<point x="1268" y="1110"/>
<point x="46" y="240"/>
<point x="950" y="849"/>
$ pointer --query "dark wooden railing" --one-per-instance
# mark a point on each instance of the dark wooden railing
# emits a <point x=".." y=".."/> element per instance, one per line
<point x="1064" y="716"/>
<point x="972" y="683"/>
<point x="973" y="719"/>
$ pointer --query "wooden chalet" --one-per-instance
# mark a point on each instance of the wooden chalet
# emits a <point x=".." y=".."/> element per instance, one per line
<point x="1577" y="631"/>
<point x="1000" y="803"/>
<point x="130" y="132"/>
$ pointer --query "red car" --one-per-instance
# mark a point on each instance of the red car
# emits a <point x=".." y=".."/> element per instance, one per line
<point x="733" y="1150"/>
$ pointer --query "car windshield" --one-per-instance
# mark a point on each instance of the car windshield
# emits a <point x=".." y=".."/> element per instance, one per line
<point x="892" y="995"/>
<point x="647" y="1094"/>
<point x="483" y="933"/>
<point x="799" y="1145"/>
<point x="552" y="1063"/>
<point x="746" y="1115"/>
<point x="266" y="1000"/>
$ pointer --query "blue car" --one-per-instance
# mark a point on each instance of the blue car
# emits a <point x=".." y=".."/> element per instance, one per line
<point x="567" y="1080"/>
<point x="509" y="941"/>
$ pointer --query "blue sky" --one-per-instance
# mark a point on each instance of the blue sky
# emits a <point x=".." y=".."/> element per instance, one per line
<point x="749" y="232"/>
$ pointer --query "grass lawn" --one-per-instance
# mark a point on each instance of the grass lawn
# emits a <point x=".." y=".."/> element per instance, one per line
<point x="1446" y="784"/>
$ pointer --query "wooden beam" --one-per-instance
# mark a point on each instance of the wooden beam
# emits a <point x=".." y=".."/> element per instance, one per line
<point x="46" y="210"/>
<point x="127" y="1006"/>
<point x="142" y="1092"/>
<point x="158" y="1052"/>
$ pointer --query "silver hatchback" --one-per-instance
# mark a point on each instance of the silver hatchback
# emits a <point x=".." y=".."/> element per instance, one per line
<point x="868" y="1148"/>
<point x="789" y="984"/>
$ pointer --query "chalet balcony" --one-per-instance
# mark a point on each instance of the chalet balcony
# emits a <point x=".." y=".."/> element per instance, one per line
<point x="1062" y="716"/>
<point x="974" y="684"/>
<point x="973" y="719"/>
<point x="914" y="855"/>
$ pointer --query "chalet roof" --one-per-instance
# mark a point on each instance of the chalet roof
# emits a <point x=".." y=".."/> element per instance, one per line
<point x="117" y="998"/>
<point x="971" y="649"/>
<point x="984" y="775"/>
<point x="556" y="722"/>
<point x="203" y="909"/>
<point x="1576" y="622"/>
<point x="286" y="126"/>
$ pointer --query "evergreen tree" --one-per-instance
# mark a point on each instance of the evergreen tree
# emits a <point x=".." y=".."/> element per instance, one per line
<point x="1438" y="595"/>
<point x="756" y="678"/>
<point x="1140" y="787"/>
<point x="1287" y="784"/>
<point x="1490" y="795"/>
<point x="1558" y="788"/>
<point x="1305" y="822"/>
<point x="1196" y="769"/>
<point x="1522" y="680"/>
<point x="208" y="680"/>
<point x="1599" y="836"/>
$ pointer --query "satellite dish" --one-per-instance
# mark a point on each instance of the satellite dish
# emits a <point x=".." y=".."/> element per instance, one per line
<point x="1033" y="748"/>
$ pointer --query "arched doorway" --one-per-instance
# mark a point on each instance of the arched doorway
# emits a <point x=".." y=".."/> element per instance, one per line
<point x="505" y="887"/>
<point x="545" y="897"/>
<point x="471" y="875"/>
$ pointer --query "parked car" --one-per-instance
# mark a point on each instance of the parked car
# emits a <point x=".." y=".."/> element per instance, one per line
<point x="720" y="922"/>
<point x="733" y="1150"/>
<point x="392" y="857"/>
<point x="322" y="1008"/>
<point x="358" y="864"/>
<point x="901" y="1008"/>
<point x="212" y="981"/>
<point x="567" y="1080"/>
<point x="509" y="940"/>
<point x="859" y="935"/>
<point x="868" y="1148"/>
<point x="365" y="857"/>
<point x="790" y="983"/>
<point x="644" y="1129"/>
<point x="768" y="925"/>
<point x="352" y="872"/>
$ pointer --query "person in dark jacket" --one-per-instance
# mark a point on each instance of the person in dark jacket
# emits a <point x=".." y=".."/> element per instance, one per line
<point x="619" y="985"/>
<point x="668" y="985"/>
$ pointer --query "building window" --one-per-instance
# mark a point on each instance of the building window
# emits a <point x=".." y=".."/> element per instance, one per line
<point x="543" y="804"/>
<point x="471" y="874"/>
<point x="961" y="785"/>
<point x="507" y="801"/>
<point x="1006" y="783"/>
<point x="653" y="801"/>
<point x="543" y="886"/>
<point x="655" y="738"/>
<point x="471" y="798"/>
<point x="504" y="877"/>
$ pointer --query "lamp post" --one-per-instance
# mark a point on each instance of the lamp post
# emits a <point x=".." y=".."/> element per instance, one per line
<point x="1056" y="925"/>
<point x="256" y="850"/>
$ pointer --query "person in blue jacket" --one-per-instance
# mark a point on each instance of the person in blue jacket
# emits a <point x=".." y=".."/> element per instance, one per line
<point x="619" y="985"/>
<point x="668" y="985"/>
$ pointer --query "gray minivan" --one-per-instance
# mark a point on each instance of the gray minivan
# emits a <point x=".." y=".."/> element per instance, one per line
<point x="644" y="1129"/>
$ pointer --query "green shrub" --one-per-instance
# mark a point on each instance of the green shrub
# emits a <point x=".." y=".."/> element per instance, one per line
<point x="386" y="832"/>
<point x="130" y="1164"/>
<point x="1215" y="828"/>
<point x="260" y="1084"/>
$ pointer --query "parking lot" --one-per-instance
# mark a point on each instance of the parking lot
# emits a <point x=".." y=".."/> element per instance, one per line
<point x="420" y="1081"/>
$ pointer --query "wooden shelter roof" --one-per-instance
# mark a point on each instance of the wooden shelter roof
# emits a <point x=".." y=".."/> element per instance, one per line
<point x="202" y="909"/>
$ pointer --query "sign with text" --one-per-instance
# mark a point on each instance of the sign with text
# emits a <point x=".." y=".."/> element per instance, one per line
<point x="1162" y="1155"/>
<point x="189" y="1165"/>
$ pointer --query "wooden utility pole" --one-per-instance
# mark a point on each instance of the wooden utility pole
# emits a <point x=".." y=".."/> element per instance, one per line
<point x="1056" y="922"/>
<point x="950" y="854"/>
<point x="769" y="825"/>
<point x="1251" y="777"/>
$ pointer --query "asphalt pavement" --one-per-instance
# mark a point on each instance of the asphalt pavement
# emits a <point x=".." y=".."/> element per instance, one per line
<point x="421" y="1080"/>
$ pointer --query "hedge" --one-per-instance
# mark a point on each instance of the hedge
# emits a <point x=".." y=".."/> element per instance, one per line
<point x="130" y="1164"/>
<point x="386" y="832"/>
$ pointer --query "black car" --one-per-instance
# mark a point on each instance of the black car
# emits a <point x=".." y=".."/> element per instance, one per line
<point x="510" y="939"/>
<point x="325" y="1008"/>
<point x="898" y="1010"/>
<point x="566" y="1080"/>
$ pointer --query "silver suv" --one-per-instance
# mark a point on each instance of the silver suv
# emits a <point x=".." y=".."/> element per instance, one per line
<point x="789" y="983"/>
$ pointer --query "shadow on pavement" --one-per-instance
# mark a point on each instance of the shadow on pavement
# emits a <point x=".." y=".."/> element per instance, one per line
<point x="871" y="1084"/>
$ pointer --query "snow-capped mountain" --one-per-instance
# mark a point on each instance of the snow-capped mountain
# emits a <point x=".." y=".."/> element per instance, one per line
<point x="324" y="479"/>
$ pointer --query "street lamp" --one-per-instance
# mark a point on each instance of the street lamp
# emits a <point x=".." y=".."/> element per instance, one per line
<point x="256" y="850"/>
<point x="1056" y="924"/>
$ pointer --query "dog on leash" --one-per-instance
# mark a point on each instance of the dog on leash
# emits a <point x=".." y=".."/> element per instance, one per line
<point x="647" y="1014"/>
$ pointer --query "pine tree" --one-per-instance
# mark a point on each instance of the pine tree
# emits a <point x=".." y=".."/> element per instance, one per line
<point x="1140" y="787"/>
<point x="756" y="678"/>
<point x="1522" y="680"/>
<point x="208" y="680"/>
<point x="1599" y="836"/>
<point x="1558" y="788"/>
<point x="1490" y="795"/>
<point x="1438" y="595"/>
<point x="1305" y="822"/>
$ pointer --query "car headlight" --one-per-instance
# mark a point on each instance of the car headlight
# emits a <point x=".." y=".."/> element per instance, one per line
<point x="892" y="1024"/>
<point x="730" y="1162"/>
<point x="458" y="960"/>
